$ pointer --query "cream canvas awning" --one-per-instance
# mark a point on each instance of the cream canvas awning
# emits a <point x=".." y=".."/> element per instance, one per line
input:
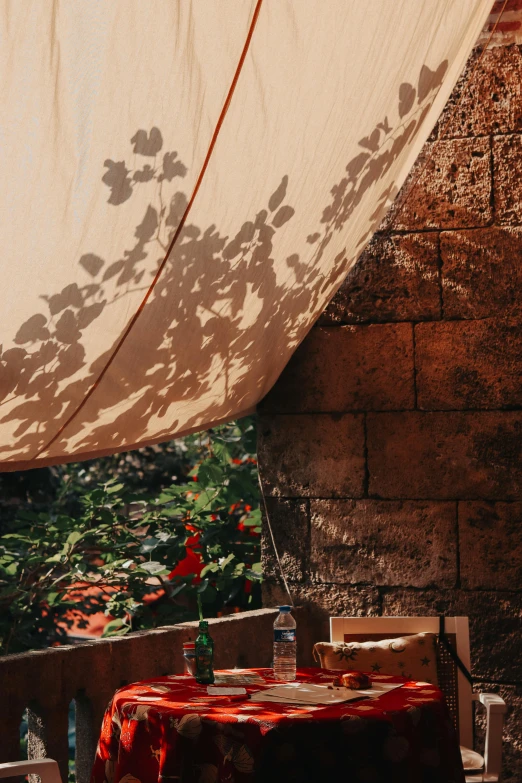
<point x="184" y="185"/>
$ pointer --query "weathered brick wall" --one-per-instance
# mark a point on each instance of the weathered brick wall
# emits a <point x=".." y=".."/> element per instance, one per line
<point x="391" y="447"/>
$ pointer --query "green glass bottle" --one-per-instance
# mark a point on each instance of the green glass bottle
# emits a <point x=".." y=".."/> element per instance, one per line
<point x="204" y="655"/>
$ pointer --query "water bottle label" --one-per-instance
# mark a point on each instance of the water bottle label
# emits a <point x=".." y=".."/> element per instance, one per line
<point x="284" y="634"/>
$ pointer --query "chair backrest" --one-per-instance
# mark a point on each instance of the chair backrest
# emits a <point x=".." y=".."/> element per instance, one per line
<point x="47" y="769"/>
<point x="452" y="682"/>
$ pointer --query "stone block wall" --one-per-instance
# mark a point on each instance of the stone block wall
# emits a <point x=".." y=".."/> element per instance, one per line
<point x="391" y="447"/>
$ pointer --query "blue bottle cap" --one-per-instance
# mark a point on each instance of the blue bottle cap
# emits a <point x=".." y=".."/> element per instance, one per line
<point x="285" y="608"/>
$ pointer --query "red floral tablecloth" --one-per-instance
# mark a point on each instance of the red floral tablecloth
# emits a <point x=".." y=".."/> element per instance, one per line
<point x="169" y="729"/>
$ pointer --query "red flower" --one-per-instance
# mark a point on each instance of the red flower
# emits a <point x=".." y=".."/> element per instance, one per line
<point x="192" y="562"/>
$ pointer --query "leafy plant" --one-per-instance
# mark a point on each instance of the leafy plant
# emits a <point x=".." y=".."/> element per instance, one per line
<point x="113" y="546"/>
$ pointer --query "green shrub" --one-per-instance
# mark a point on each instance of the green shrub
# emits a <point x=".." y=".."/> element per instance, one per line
<point x="120" y="526"/>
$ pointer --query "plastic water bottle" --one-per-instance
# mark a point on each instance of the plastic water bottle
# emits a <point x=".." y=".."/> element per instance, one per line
<point x="284" y="645"/>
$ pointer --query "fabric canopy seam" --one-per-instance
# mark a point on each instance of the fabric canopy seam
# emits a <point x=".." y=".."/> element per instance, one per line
<point x="177" y="233"/>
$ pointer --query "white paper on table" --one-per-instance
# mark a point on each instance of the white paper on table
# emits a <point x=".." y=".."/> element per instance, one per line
<point x="216" y="691"/>
<point x="309" y="693"/>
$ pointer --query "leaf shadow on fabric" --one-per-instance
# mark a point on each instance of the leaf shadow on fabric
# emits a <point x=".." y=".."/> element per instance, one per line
<point x="195" y="327"/>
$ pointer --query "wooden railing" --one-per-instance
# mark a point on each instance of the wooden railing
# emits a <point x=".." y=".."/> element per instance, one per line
<point x="44" y="682"/>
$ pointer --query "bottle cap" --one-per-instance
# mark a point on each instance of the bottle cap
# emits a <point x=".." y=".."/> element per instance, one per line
<point x="285" y="608"/>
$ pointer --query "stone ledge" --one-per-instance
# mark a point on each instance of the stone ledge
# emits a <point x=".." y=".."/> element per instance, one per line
<point x="49" y="679"/>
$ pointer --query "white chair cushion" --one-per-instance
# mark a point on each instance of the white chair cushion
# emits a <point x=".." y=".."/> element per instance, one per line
<point x="411" y="656"/>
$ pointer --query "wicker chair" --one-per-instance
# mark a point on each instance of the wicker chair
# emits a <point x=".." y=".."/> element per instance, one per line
<point x="453" y="683"/>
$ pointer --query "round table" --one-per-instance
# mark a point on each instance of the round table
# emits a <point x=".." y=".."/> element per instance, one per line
<point x="169" y="729"/>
